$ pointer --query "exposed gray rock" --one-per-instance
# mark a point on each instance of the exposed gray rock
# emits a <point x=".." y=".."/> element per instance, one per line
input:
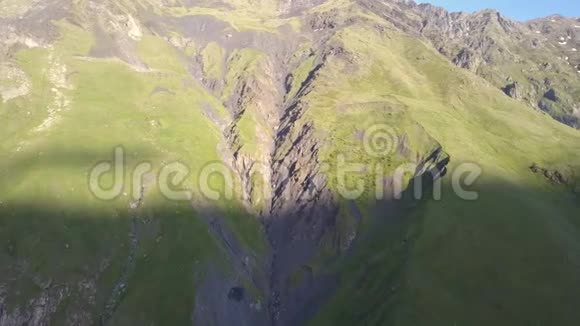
<point x="512" y="90"/>
<point x="37" y="311"/>
<point x="551" y="95"/>
<point x="556" y="176"/>
<point x="221" y="301"/>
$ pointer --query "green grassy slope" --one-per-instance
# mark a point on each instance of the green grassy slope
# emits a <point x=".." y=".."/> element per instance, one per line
<point x="51" y="225"/>
<point x="510" y="258"/>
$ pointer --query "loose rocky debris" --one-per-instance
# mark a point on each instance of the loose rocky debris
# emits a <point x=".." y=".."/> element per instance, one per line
<point x="117" y="34"/>
<point x="120" y="287"/>
<point x="13" y="82"/>
<point x="512" y="90"/>
<point x="57" y="75"/>
<point x="562" y="177"/>
<point x="52" y="297"/>
<point x="11" y="8"/>
<point x="11" y="38"/>
<point x="37" y="311"/>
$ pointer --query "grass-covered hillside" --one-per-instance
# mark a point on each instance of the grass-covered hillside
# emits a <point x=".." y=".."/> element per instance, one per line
<point x="278" y="97"/>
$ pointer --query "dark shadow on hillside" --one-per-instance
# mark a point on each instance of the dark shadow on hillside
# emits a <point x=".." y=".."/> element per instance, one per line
<point x="510" y="257"/>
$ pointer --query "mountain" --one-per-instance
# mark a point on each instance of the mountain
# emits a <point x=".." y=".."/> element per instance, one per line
<point x="264" y="162"/>
<point x="535" y="62"/>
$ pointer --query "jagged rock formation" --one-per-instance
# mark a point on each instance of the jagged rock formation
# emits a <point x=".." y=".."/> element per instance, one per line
<point x="504" y="51"/>
<point x="562" y="176"/>
<point x="561" y="33"/>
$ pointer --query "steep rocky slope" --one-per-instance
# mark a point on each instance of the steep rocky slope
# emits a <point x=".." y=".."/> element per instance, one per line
<point x="561" y="32"/>
<point x="279" y="98"/>
<point x="535" y="62"/>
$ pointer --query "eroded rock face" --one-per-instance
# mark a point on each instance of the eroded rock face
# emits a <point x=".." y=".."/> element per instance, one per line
<point x="116" y="34"/>
<point x="551" y="95"/>
<point x="561" y="33"/>
<point x="512" y="90"/>
<point x="41" y="309"/>
<point x="37" y="312"/>
<point x="563" y="176"/>
<point x="29" y="23"/>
